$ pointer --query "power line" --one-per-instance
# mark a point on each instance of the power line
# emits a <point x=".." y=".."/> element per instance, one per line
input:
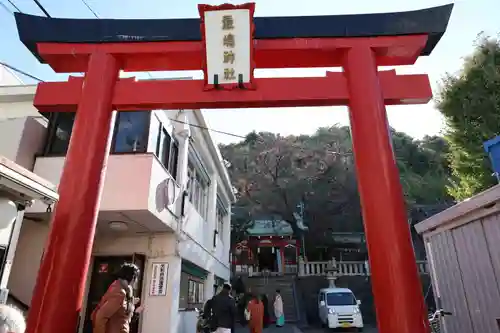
<point x="97" y="16"/>
<point x="174" y="120"/>
<point x="4" y="6"/>
<point x="20" y="71"/>
<point x="209" y="129"/>
<point x="90" y="8"/>
<point x="14" y="5"/>
<point x="42" y="8"/>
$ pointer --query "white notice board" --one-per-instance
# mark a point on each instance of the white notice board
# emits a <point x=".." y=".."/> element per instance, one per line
<point x="159" y="277"/>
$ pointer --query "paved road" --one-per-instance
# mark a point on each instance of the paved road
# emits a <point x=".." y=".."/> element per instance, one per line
<point x="273" y="329"/>
<point x="293" y="329"/>
<point x="325" y="330"/>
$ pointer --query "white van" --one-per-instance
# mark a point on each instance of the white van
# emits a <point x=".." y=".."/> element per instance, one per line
<point x="338" y="308"/>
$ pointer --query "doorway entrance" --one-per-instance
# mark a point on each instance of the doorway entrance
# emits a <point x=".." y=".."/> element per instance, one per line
<point x="267" y="259"/>
<point x="104" y="272"/>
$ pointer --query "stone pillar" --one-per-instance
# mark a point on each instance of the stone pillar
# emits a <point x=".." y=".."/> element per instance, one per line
<point x="331" y="273"/>
<point x="211" y="214"/>
<point x="301" y="266"/>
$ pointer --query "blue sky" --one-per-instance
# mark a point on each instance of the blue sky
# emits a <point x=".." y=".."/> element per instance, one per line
<point x="469" y="18"/>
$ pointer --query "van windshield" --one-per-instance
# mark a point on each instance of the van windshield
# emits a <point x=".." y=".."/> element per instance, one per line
<point x="340" y="299"/>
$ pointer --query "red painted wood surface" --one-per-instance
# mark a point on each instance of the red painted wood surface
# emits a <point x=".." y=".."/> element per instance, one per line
<point x="396" y="284"/>
<point x="269" y="53"/>
<point x="58" y="293"/>
<point x="271" y="92"/>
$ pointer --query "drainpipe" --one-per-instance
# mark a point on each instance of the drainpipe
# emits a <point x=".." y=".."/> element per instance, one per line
<point x="183" y="133"/>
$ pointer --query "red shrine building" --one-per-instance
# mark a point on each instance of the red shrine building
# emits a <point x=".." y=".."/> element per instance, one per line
<point x="227" y="44"/>
<point x="270" y="245"/>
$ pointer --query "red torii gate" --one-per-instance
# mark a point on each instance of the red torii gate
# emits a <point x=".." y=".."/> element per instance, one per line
<point x="358" y="43"/>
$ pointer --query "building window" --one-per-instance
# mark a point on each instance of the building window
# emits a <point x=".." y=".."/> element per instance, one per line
<point x="220" y="214"/>
<point x="167" y="150"/>
<point x="60" y="127"/>
<point x="197" y="188"/>
<point x="131" y="132"/>
<point x="191" y="294"/>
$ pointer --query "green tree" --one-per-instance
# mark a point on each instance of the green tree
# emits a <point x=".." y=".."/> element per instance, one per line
<point x="273" y="174"/>
<point x="470" y="103"/>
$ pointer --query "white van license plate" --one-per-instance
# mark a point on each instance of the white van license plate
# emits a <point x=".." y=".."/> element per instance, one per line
<point x="345" y="325"/>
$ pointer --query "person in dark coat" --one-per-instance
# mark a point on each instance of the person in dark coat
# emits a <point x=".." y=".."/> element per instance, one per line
<point x="239" y="286"/>
<point x="267" y="318"/>
<point x="224" y="310"/>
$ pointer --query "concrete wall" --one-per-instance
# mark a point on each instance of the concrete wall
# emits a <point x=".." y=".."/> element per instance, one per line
<point x="26" y="137"/>
<point x="27" y="259"/>
<point x="132" y="183"/>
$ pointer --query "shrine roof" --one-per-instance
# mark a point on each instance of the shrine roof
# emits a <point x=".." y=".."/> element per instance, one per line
<point x="431" y="22"/>
<point x="270" y="227"/>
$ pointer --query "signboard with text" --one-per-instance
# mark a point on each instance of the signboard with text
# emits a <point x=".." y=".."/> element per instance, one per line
<point x="227" y="36"/>
<point x="159" y="278"/>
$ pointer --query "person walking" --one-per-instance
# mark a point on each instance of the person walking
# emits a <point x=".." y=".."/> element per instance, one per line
<point x="265" y="303"/>
<point x="116" y="308"/>
<point x="224" y="310"/>
<point x="255" y="311"/>
<point x="278" y="309"/>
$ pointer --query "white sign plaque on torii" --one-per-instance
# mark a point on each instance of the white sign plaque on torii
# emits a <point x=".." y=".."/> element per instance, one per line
<point x="227" y="36"/>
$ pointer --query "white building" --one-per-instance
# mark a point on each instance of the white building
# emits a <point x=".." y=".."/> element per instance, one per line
<point x="154" y="154"/>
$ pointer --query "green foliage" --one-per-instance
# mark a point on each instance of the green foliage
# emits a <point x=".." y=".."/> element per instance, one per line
<point x="273" y="174"/>
<point x="470" y="103"/>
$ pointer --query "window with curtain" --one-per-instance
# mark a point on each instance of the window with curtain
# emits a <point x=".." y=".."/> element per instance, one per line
<point x="197" y="190"/>
<point x="192" y="291"/>
<point x="130" y="134"/>
<point x="167" y="150"/>
<point x="60" y="128"/>
<point x="220" y="212"/>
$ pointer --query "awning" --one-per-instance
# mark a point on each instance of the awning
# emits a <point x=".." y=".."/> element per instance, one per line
<point x="22" y="186"/>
